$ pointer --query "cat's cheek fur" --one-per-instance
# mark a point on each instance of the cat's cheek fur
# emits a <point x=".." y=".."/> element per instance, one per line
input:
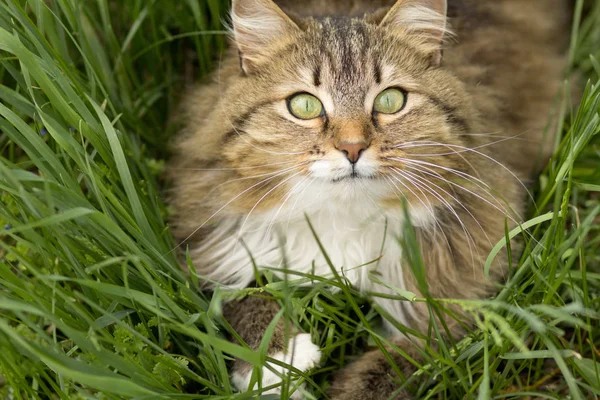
<point x="302" y="354"/>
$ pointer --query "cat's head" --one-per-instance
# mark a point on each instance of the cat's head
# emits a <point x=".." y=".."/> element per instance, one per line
<point x="352" y="103"/>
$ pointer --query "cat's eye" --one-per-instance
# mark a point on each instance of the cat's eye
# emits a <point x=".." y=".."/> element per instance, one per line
<point x="390" y="101"/>
<point x="305" y="106"/>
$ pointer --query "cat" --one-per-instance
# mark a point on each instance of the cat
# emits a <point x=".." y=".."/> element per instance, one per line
<point x="342" y="112"/>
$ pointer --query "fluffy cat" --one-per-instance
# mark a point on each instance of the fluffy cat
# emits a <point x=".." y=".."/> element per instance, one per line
<point x="343" y="111"/>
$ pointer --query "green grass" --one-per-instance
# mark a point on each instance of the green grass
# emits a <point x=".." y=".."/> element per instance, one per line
<point x="92" y="302"/>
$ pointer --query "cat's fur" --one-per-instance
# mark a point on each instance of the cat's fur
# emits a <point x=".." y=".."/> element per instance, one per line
<point x="247" y="173"/>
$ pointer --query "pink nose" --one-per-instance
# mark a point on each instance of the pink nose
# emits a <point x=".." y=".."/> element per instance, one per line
<point x="353" y="151"/>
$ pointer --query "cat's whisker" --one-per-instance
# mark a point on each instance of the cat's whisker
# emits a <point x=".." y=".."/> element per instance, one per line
<point x="427" y="206"/>
<point x="474" y="151"/>
<point x="497" y="207"/>
<point x="430" y="172"/>
<point x="247" y="178"/>
<point x="424" y="169"/>
<point x="462" y="157"/>
<point x="423" y="143"/>
<point x="463" y="149"/>
<point x="264" y="181"/>
<point x="419" y="182"/>
<point x="501" y="139"/>
<point x="295" y="166"/>
<point x="430" y="206"/>
<point x="241" y="230"/>
<point x="492" y="135"/>
<point x="454" y="198"/>
<point x="468" y="235"/>
<point x="505" y="212"/>
<point x="465" y="176"/>
<point x="478" y="182"/>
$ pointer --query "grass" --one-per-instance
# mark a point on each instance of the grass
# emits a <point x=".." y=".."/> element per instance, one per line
<point x="92" y="302"/>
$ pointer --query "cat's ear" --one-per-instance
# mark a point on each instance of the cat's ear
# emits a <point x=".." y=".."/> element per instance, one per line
<point x="257" y="24"/>
<point x="425" y="18"/>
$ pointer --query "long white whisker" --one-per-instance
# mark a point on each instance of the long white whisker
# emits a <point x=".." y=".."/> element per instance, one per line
<point x="472" y="150"/>
<point x="468" y="177"/>
<point x="431" y="172"/>
<point x="515" y="137"/>
<point x="431" y="143"/>
<point x="462" y="157"/>
<point x="451" y="196"/>
<point x="420" y="182"/>
<point x="241" y="231"/>
<point x="223" y="207"/>
<point x="427" y="206"/>
<point x="459" y="173"/>
<point x="246" y="178"/>
<point x="295" y="166"/>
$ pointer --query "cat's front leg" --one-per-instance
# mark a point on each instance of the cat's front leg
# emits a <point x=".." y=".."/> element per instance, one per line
<point x="250" y="318"/>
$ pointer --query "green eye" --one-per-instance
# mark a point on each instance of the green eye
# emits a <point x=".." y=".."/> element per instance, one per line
<point x="305" y="106"/>
<point x="390" y="101"/>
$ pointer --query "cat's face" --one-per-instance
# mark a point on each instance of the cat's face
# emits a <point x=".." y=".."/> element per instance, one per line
<point x="354" y="103"/>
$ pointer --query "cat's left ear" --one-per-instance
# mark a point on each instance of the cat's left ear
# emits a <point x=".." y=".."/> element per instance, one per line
<point x="257" y="26"/>
<point x="427" y="19"/>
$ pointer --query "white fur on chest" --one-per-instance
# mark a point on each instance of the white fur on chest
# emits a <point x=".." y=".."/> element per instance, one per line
<point x="358" y="236"/>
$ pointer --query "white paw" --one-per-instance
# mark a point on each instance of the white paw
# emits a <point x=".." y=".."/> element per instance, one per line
<point x="302" y="354"/>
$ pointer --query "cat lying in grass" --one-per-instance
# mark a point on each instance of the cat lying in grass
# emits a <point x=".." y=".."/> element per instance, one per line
<point x="342" y="112"/>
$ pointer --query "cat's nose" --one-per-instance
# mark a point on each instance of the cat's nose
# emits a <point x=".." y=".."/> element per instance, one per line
<point x="353" y="151"/>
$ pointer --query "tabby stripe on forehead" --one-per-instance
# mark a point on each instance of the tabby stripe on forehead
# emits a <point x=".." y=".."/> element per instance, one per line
<point x="317" y="76"/>
<point x="451" y="114"/>
<point x="377" y="69"/>
<point x="238" y="125"/>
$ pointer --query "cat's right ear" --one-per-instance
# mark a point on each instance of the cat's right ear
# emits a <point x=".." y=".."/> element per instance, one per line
<point x="426" y="19"/>
<point x="257" y="25"/>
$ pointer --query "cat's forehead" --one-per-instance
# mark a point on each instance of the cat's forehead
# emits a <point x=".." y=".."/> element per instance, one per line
<point x="347" y="49"/>
<point x="343" y="57"/>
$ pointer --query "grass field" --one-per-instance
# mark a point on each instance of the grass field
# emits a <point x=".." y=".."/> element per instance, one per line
<point x="92" y="302"/>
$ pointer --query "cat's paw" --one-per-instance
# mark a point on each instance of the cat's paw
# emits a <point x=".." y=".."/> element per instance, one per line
<point x="302" y="354"/>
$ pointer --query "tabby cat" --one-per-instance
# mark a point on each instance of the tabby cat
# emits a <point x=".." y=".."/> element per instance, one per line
<point x="354" y="115"/>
